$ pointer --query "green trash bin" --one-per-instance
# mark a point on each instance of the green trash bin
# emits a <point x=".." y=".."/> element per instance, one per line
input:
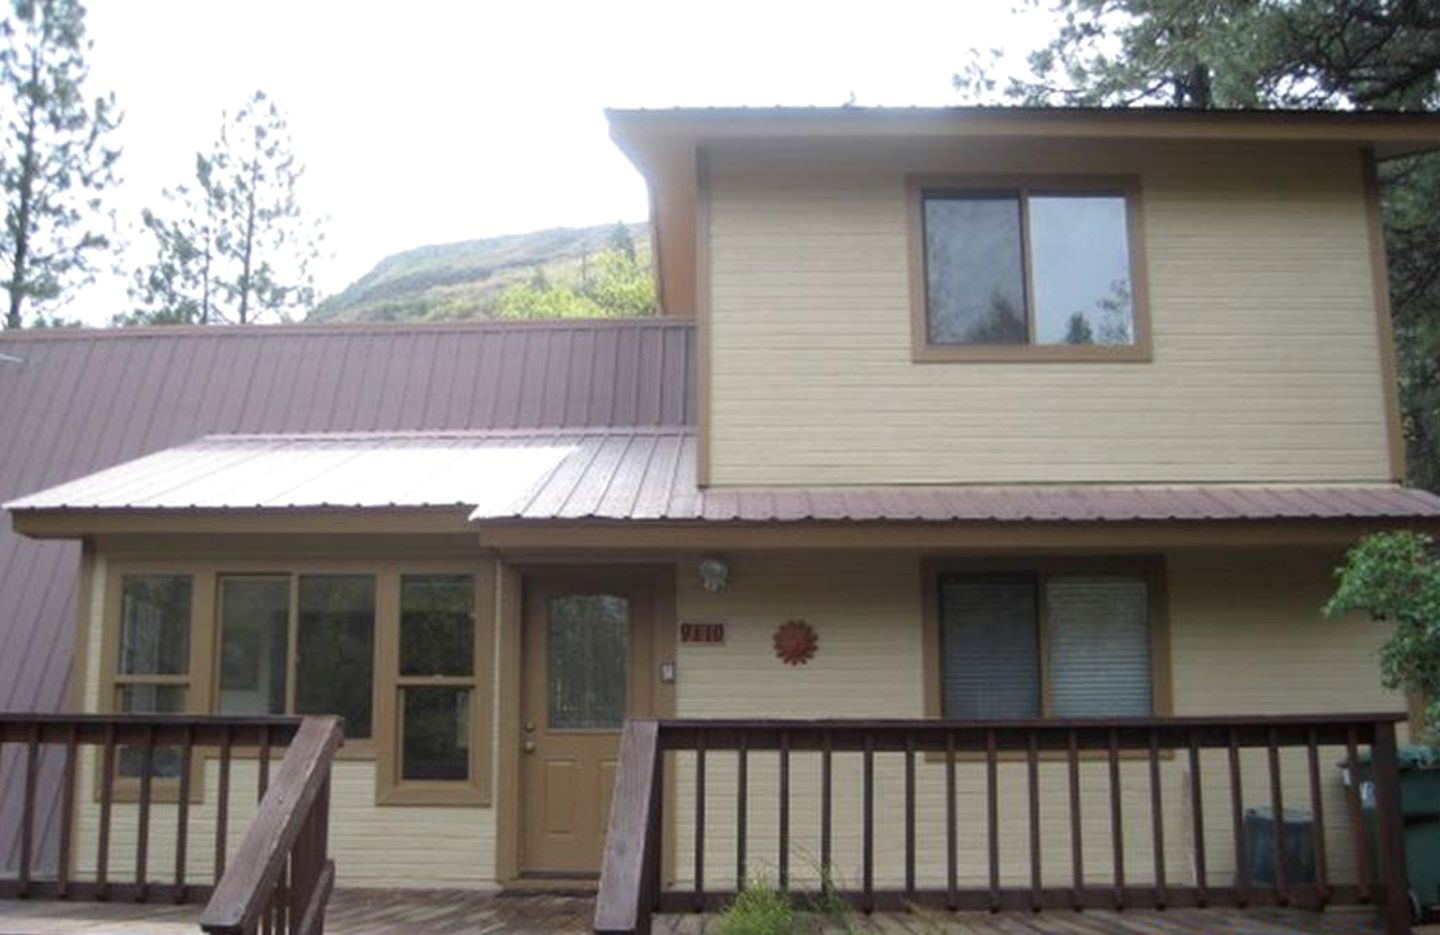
<point x="1420" y="812"/>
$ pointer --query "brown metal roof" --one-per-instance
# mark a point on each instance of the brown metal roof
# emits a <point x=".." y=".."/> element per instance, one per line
<point x="74" y="402"/>
<point x="637" y="474"/>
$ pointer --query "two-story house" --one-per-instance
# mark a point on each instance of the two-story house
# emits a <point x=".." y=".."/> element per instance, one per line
<point x="974" y="416"/>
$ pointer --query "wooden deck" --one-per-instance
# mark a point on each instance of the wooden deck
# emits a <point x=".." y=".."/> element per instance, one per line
<point x="451" y="912"/>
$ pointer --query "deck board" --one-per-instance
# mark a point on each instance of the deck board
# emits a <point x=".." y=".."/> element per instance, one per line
<point x="451" y="912"/>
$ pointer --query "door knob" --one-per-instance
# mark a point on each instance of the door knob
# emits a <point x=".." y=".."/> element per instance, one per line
<point x="529" y="746"/>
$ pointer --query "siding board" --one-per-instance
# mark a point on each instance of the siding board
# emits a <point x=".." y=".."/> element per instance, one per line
<point x="1266" y="356"/>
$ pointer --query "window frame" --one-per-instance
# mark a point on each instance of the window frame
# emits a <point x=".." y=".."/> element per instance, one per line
<point x="194" y="682"/>
<point x="1149" y="567"/>
<point x="920" y="187"/>
<point x="383" y="745"/>
<point x="390" y="786"/>
<point x="353" y="748"/>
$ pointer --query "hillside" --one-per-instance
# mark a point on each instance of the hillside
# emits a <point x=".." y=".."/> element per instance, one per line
<point x="463" y="280"/>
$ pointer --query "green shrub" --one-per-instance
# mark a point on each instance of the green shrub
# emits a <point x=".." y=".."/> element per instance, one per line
<point x="1396" y="577"/>
<point x="759" y="909"/>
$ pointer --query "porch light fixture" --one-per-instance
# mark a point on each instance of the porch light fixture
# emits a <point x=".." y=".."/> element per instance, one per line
<point x="714" y="574"/>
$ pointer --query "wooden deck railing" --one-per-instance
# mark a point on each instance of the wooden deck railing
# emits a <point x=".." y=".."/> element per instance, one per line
<point x="147" y="764"/>
<point x="282" y="875"/>
<point x="970" y="757"/>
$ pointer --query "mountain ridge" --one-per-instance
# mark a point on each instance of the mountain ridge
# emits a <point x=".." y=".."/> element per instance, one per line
<point x="463" y="279"/>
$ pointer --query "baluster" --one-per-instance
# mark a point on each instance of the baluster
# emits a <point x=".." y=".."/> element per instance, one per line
<point x="909" y="814"/>
<point x="107" y="798"/>
<point x="992" y="790"/>
<point x="67" y="810"/>
<point x="1357" y="822"/>
<point x="142" y="843"/>
<point x="1117" y="822"/>
<point x="1317" y="808"/>
<point x="742" y="811"/>
<point x="825" y="807"/>
<point x="784" y="811"/>
<point x="1197" y="818"/>
<point x="1237" y="816"/>
<point x="1157" y="818"/>
<point x="699" y="820"/>
<point x="952" y="872"/>
<point x="1032" y="775"/>
<point x="27" y="814"/>
<point x="1077" y="848"/>
<point x="868" y="833"/>
<point x="182" y="828"/>
<point x="263" y="785"/>
<point x="1277" y="804"/>
<point x="222" y="803"/>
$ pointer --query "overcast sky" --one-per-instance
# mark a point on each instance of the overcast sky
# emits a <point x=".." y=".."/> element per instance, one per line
<point x="430" y="122"/>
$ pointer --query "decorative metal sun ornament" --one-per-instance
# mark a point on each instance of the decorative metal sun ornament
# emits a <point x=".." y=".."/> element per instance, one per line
<point x="795" y="642"/>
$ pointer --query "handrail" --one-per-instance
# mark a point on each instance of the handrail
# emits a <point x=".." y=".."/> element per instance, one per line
<point x="289" y="830"/>
<point x="630" y="879"/>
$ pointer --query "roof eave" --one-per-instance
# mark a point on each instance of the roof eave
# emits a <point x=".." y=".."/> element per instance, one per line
<point x="639" y="132"/>
<point x="80" y="522"/>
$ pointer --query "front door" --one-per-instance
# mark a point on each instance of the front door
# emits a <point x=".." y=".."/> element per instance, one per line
<point x="587" y="657"/>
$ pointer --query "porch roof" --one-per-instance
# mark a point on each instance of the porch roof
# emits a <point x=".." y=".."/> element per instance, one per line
<point x="634" y="474"/>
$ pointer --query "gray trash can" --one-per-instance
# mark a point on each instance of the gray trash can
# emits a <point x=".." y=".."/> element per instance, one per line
<point x="1261" y="843"/>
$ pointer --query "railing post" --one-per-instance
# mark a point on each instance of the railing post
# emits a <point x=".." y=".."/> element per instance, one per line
<point x="630" y="870"/>
<point x="1390" y="831"/>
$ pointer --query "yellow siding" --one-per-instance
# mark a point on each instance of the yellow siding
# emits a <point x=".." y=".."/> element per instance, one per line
<point x="396" y="846"/>
<point x="1246" y="639"/>
<point x="1266" y="353"/>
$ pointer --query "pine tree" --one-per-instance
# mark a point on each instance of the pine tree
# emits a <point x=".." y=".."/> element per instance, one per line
<point x="54" y="164"/>
<point x="235" y="246"/>
<point x="620" y="240"/>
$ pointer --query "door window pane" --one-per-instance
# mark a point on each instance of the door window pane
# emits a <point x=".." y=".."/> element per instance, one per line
<point x="436" y="733"/>
<point x="1099" y="646"/>
<point x="150" y="699"/>
<point x="254" y="617"/>
<point x="437" y="625"/>
<point x="336" y="648"/>
<point x="588" y="647"/>
<point x="1080" y="257"/>
<point x="975" y="278"/>
<point x="990" y="648"/>
<point x="155" y="625"/>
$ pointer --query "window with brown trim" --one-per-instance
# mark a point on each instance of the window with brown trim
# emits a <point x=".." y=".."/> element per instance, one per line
<point x="436" y="682"/>
<point x="403" y="650"/>
<point x="152" y="666"/>
<point x="435" y="703"/>
<point x="302" y="644"/>
<point x="1053" y="641"/>
<point x="1007" y="270"/>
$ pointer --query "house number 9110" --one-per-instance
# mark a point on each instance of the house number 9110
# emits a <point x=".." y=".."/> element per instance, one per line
<point x="711" y="633"/>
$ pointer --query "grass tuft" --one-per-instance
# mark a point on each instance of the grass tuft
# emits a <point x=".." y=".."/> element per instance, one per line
<point x="759" y="909"/>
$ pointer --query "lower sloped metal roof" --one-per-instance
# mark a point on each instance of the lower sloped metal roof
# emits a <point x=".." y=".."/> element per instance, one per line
<point x="636" y="474"/>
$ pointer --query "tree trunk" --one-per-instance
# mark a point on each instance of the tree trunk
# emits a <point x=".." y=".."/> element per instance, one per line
<point x="249" y="241"/>
<point x="21" y="256"/>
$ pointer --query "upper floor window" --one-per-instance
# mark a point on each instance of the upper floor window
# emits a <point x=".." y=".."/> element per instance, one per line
<point x="1027" y="272"/>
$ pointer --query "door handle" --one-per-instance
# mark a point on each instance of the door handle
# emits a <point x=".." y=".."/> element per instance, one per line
<point x="529" y="746"/>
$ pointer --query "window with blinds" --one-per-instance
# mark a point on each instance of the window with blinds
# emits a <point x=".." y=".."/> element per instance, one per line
<point x="1092" y="633"/>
